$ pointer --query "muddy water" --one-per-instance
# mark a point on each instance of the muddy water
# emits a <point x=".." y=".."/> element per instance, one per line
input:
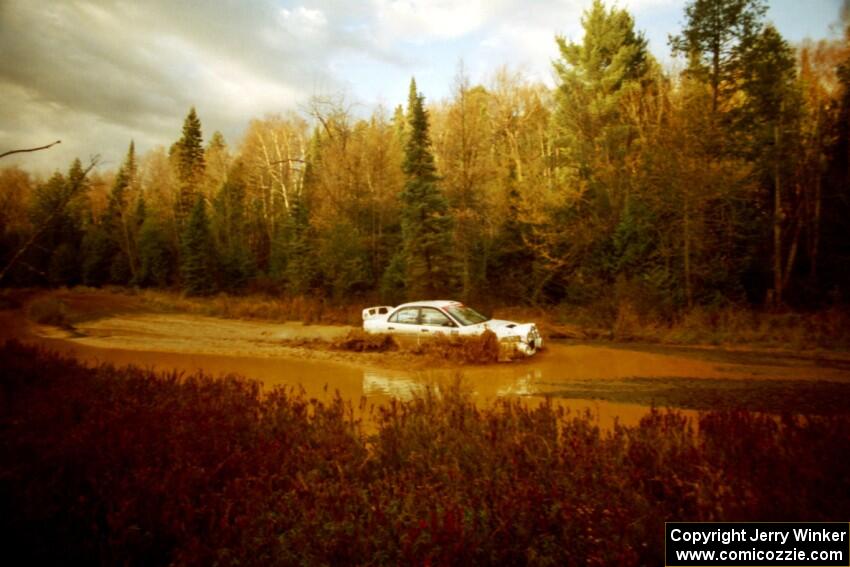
<point x="610" y="382"/>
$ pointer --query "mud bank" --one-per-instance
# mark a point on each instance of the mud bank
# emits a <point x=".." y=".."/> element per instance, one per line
<point x="610" y="381"/>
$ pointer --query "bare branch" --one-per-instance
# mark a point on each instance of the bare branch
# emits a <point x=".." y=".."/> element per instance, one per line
<point x="30" y="149"/>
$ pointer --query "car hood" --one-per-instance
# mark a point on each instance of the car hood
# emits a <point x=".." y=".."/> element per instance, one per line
<point x="504" y="328"/>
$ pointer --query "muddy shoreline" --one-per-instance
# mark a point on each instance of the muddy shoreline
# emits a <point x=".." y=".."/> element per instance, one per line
<point x="616" y="381"/>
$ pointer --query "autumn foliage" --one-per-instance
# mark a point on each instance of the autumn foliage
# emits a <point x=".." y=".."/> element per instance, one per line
<point x="125" y="466"/>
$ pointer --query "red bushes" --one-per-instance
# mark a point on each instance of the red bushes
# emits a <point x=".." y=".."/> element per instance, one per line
<point x="123" y="466"/>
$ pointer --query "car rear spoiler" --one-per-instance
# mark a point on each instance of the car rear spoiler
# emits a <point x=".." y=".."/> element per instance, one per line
<point x="372" y="312"/>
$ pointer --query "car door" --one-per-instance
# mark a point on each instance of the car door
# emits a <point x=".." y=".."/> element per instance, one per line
<point x="434" y="322"/>
<point x="404" y="321"/>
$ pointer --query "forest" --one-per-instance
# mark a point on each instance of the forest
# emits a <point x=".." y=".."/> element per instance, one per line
<point x="725" y="182"/>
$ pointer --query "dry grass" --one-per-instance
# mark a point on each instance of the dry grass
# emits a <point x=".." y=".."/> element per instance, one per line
<point x="259" y="307"/>
<point x="829" y="328"/>
<point x="725" y="326"/>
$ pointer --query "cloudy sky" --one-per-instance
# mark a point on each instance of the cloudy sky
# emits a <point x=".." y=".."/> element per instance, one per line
<point x="98" y="73"/>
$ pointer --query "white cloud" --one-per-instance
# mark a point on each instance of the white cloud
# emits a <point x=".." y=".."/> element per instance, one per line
<point x="419" y="20"/>
<point x="526" y="40"/>
<point x="303" y="22"/>
<point x="635" y="5"/>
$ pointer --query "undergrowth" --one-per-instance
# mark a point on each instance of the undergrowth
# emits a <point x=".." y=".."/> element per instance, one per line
<point x="125" y="466"/>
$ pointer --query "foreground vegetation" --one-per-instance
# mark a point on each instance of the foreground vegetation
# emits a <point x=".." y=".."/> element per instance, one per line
<point x="124" y="466"/>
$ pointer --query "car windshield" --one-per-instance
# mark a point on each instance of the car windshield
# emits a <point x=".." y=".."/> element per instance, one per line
<point x="465" y="315"/>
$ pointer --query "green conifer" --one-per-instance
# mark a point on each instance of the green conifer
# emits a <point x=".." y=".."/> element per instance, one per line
<point x="426" y="224"/>
<point x="197" y="256"/>
<point x="189" y="156"/>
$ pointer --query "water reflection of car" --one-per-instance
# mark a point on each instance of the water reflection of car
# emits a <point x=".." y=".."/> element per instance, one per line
<point x="426" y="318"/>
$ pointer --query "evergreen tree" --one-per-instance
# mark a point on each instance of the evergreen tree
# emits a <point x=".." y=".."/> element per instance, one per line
<point x="512" y="258"/>
<point x="117" y="222"/>
<point x="230" y="228"/>
<point x="297" y="249"/>
<point x="593" y="77"/>
<point x="109" y="247"/>
<point x="717" y="34"/>
<point x="198" y="274"/>
<point x="98" y="252"/>
<point x="426" y="224"/>
<point x="769" y="122"/>
<point x="64" y="268"/>
<point x="50" y="211"/>
<point x="189" y="158"/>
<point x="156" y="257"/>
<point x="598" y="77"/>
<point x="57" y="212"/>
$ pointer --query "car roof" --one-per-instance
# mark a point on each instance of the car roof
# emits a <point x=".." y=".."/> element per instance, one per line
<point x="440" y="303"/>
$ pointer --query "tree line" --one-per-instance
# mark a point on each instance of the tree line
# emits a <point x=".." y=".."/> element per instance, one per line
<point x="724" y="182"/>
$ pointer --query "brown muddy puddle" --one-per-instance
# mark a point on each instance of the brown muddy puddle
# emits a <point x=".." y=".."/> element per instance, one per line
<point x="611" y="382"/>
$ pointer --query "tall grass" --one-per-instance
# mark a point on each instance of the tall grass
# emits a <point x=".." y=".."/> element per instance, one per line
<point x="731" y="325"/>
<point x="262" y="307"/>
<point x="124" y="466"/>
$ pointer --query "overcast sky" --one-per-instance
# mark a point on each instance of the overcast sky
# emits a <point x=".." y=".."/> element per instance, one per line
<point x="97" y="74"/>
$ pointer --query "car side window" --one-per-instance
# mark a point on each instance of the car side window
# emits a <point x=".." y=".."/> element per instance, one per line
<point x="408" y="315"/>
<point x="434" y="318"/>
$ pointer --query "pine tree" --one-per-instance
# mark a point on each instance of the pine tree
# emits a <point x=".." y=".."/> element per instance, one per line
<point x="109" y="246"/>
<point x="58" y="211"/>
<point x="156" y="257"/>
<point x="770" y="121"/>
<point x="189" y="157"/>
<point x="98" y="251"/>
<point x="197" y="256"/>
<point x="230" y="228"/>
<point x="298" y="249"/>
<point x="717" y="34"/>
<point x="426" y="224"/>
<point x="513" y="260"/>
<point x="117" y="223"/>
<point x="594" y="135"/>
<point x="594" y="75"/>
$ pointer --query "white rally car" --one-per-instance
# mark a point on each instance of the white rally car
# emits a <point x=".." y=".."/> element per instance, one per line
<point x="425" y="318"/>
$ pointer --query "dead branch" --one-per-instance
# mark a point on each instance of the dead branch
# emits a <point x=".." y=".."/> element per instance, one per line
<point x="30" y="149"/>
